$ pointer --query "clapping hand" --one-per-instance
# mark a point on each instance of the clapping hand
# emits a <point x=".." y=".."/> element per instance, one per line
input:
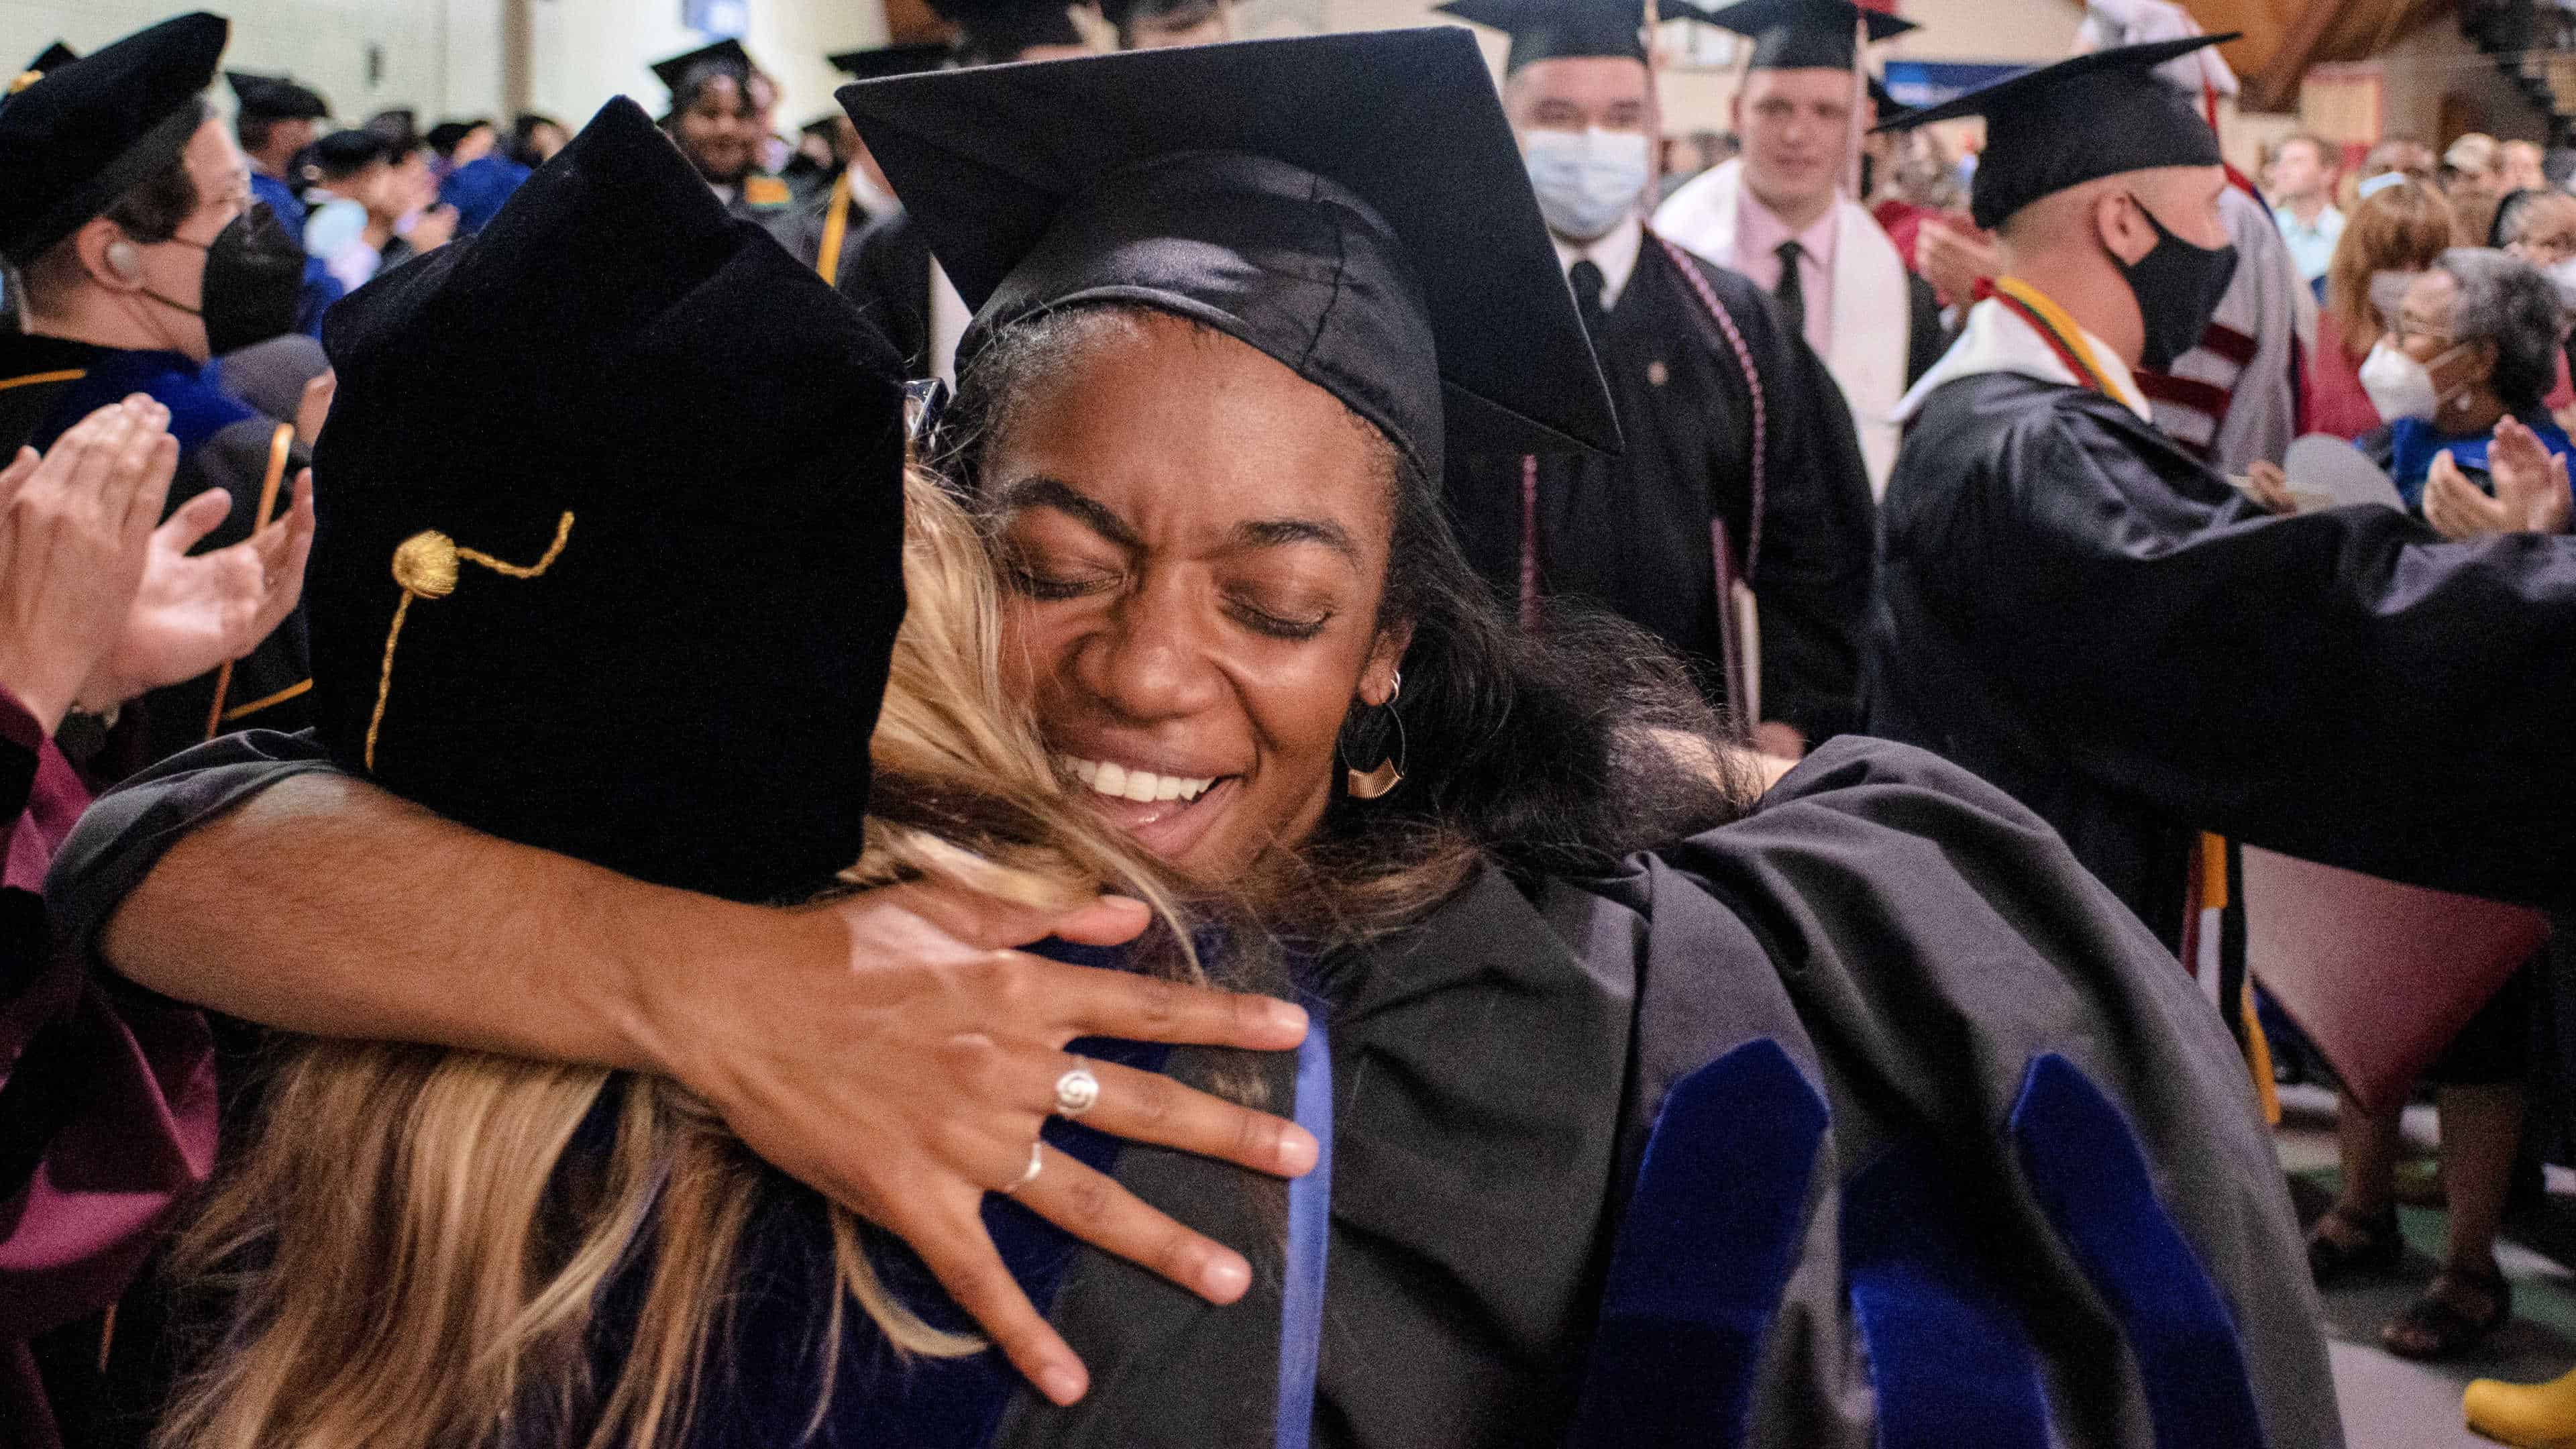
<point x="193" y="612"/>
<point x="75" y="531"/>
<point x="2531" y="490"/>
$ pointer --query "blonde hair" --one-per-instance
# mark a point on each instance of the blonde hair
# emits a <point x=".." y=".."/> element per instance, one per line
<point x="414" y="1262"/>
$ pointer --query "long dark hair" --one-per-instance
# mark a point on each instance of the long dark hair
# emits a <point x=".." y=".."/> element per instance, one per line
<point x="1554" y="750"/>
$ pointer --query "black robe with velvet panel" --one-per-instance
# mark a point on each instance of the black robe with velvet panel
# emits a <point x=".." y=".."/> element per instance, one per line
<point x="2079" y="611"/>
<point x="48" y="384"/>
<point x="1870" y="1118"/>
<point x="1632" y="533"/>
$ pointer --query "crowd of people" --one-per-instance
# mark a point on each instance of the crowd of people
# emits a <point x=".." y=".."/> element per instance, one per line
<point x="1242" y="742"/>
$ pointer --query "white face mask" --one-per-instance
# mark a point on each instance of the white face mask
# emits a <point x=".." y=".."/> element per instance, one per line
<point x="1587" y="181"/>
<point x="2399" y="386"/>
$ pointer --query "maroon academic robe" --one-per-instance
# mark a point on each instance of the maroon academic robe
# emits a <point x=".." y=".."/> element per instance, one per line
<point x="107" y="1100"/>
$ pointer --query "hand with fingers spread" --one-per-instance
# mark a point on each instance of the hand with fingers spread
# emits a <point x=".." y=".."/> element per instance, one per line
<point x="194" y="611"/>
<point x="2531" y="492"/>
<point x="904" y="1060"/>
<point x="75" y="533"/>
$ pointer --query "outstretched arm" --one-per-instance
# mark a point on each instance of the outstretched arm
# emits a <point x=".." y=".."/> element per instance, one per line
<point x="889" y="1049"/>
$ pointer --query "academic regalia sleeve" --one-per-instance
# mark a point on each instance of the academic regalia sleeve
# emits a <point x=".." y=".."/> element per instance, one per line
<point x="1819" y="528"/>
<point x="2343" y="686"/>
<point x="274" y="674"/>
<point x="891" y="286"/>
<point x="1925" y="339"/>
<point x="124" y="835"/>
<point x="1921" y="1135"/>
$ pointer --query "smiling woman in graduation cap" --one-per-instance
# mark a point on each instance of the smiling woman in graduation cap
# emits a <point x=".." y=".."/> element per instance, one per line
<point x="714" y="119"/>
<point x="1863" y="1088"/>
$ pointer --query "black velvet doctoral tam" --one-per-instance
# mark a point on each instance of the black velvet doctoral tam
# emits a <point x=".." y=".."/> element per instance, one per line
<point x="611" y="521"/>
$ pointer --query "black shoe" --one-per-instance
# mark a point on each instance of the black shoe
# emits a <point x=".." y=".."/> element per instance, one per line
<point x="2368" y="1245"/>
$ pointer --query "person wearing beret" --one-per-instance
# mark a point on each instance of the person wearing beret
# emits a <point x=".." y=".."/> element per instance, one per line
<point x="1707" y="380"/>
<point x="1629" y="1110"/>
<point x="715" y="118"/>
<point x="141" y="256"/>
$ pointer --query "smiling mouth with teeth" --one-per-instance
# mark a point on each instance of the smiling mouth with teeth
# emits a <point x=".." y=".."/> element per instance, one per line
<point x="1108" y="777"/>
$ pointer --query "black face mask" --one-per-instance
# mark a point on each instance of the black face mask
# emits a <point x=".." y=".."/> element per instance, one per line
<point x="254" y="281"/>
<point x="2178" y="287"/>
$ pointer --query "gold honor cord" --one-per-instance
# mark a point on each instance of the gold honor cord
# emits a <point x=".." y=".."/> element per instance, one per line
<point x="836" y="225"/>
<point x="281" y="445"/>
<point x="426" y="565"/>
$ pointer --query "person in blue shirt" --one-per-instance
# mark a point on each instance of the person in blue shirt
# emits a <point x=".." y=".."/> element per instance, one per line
<point x="275" y="119"/>
<point x="2476" y="342"/>
<point x="2303" y="188"/>
<point x="139" y="255"/>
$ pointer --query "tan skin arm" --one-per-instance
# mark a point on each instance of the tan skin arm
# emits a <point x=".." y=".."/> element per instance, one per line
<point x="889" y="1049"/>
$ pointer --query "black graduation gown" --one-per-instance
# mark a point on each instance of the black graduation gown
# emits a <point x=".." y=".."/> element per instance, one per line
<point x="891" y="284"/>
<point x="1869" y="1114"/>
<point x="800" y="229"/>
<point x="1925" y="340"/>
<point x="47" y="385"/>
<point x="2076" y="609"/>
<point x="1632" y="532"/>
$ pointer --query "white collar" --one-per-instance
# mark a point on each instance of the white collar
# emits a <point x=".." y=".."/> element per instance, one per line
<point x="1614" y="252"/>
<point x="1997" y="339"/>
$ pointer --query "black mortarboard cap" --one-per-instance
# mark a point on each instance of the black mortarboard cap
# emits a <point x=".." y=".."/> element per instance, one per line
<point x="1890" y="109"/>
<point x="276" y="97"/>
<point x="1555" y="29"/>
<point x="2079" y="120"/>
<point x="725" y="57"/>
<point x="1801" y="34"/>
<point x="52" y="57"/>
<point x="77" y="138"/>
<point x="999" y="30"/>
<point x="347" y="152"/>
<point x="680" y="683"/>
<point x="881" y="61"/>
<point x="1353" y="205"/>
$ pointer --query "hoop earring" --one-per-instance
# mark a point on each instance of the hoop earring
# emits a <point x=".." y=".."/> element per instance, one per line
<point x="1380" y="780"/>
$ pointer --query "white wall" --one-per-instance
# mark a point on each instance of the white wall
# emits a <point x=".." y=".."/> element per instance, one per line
<point x="443" y="57"/>
<point x="440" y="56"/>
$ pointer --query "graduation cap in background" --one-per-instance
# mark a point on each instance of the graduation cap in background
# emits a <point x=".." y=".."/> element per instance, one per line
<point x="275" y="97"/>
<point x="1802" y="34"/>
<point x="640" y="609"/>
<point x="682" y="74"/>
<point x="2076" y="121"/>
<point x="1890" y="109"/>
<point x="990" y="31"/>
<point x="76" y="138"/>
<point x="1556" y="29"/>
<point x="1353" y="205"/>
<point x="53" y="57"/>
<point x="878" y="62"/>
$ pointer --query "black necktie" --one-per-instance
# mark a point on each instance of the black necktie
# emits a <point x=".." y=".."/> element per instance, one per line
<point x="1588" y="282"/>
<point x="1792" y="291"/>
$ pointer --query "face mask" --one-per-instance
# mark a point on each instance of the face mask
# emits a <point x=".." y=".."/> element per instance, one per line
<point x="2562" y="275"/>
<point x="2399" y="386"/>
<point x="1587" y="181"/>
<point x="254" y="281"/>
<point x="2178" y="287"/>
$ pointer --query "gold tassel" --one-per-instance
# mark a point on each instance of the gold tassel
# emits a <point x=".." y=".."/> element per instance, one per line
<point x="426" y="565"/>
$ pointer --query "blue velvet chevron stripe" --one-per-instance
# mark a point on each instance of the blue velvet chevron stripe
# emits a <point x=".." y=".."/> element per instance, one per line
<point x="1947" y="1355"/>
<point x="2084" y="1164"/>
<point x="1704" y="1255"/>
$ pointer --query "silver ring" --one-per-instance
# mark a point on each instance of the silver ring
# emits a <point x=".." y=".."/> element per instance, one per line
<point x="1037" y="1160"/>
<point x="1077" y="1090"/>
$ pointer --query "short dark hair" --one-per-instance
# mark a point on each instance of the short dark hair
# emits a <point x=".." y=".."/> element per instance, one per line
<point x="344" y="154"/>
